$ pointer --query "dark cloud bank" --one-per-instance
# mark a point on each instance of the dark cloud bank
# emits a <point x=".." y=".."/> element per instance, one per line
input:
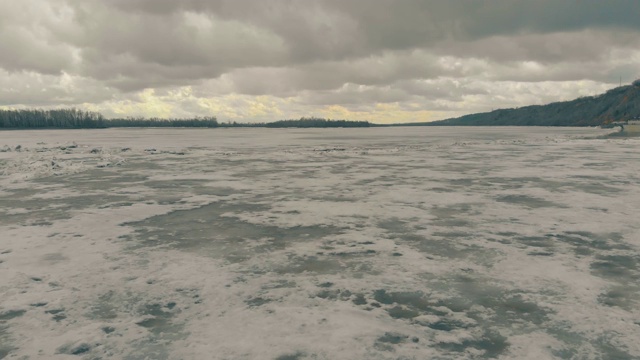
<point x="260" y="60"/>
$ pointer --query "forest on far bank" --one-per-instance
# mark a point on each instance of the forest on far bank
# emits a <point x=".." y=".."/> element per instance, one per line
<point x="78" y="119"/>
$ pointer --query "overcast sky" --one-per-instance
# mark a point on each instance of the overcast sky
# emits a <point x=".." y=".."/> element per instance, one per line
<point x="263" y="60"/>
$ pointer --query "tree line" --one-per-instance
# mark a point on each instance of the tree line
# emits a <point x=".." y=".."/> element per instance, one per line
<point x="61" y="118"/>
<point x="78" y="119"/>
<point x="314" y="122"/>
<point x="200" y="122"/>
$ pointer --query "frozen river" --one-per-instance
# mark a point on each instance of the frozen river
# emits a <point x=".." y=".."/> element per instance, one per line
<point x="382" y="243"/>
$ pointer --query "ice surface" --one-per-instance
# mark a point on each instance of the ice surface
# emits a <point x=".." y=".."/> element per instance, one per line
<point x="384" y="243"/>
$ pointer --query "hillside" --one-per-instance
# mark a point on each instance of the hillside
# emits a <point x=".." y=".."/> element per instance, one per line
<point x="619" y="104"/>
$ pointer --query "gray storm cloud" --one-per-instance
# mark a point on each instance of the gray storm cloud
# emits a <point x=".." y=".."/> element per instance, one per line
<point x="316" y="53"/>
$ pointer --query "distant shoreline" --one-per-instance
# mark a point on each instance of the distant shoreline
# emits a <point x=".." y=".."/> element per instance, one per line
<point x="298" y="127"/>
